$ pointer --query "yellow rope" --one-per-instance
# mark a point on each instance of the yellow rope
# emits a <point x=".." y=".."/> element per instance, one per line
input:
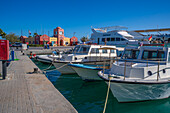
<point x="49" y="66"/>
<point x="107" y="96"/>
<point x="56" y="68"/>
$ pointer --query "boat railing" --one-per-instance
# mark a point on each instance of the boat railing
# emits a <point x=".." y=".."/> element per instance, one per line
<point x="155" y="61"/>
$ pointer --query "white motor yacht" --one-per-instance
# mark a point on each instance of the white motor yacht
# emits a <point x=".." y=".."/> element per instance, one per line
<point x="84" y="54"/>
<point x="142" y="74"/>
<point x="90" y="72"/>
<point x="48" y="58"/>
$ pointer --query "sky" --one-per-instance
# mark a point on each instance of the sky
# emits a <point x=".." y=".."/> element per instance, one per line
<point x="42" y="16"/>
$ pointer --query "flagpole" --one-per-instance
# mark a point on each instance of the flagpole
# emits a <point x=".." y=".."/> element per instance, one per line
<point x="21" y="32"/>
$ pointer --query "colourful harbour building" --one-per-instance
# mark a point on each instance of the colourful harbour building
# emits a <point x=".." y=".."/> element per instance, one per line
<point x="58" y="39"/>
<point x="62" y="40"/>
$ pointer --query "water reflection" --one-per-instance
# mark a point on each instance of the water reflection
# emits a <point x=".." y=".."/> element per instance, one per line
<point x="89" y="97"/>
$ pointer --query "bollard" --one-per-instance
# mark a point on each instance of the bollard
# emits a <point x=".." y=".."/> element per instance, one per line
<point x="31" y="53"/>
<point x="4" y="71"/>
<point x="35" y="70"/>
<point x="12" y="55"/>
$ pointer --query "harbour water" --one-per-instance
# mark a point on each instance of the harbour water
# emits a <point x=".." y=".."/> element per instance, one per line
<point x="89" y="97"/>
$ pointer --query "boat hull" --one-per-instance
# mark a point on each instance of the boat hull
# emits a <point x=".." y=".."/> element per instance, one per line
<point x="63" y="68"/>
<point x="125" y="92"/>
<point x="87" y="74"/>
<point x="44" y="59"/>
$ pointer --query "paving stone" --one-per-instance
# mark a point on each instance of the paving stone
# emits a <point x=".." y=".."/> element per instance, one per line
<point x="30" y="93"/>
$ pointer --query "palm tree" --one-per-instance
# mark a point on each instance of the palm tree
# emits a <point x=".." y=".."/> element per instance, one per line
<point x="3" y="34"/>
<point x="84" y="39"/>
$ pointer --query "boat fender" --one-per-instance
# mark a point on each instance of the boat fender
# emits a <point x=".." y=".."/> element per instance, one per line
<point x="30" y="53"/>
<point x="75" y="58"/>
<point x="149" y="73"/>
<point x="164" y="71"/>
<point x="34" y="55"/>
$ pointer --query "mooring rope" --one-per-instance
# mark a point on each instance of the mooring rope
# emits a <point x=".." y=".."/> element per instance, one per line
<point x="57" y="68"/>
<point x="61" y="66"/>
<point x="107" y="95"/>
<point x="48" y="67"/>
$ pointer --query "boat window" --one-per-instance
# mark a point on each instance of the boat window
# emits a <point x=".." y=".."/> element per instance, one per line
<point x="161" y="54"/>
<point x="76" y="49"/>
<point x="153" y="55"/>
<point x="112" y="51"/>
<point x="84" y="49"/>
<point x="131" y="54"/>
<point x="106" y="34"/>
<point x="94" y="50"/>
<point x="122" y="39"/>
<point x="112" y="39"/>
<point x="104" y="51"/>
<point x="108" y="39"/>
<point x="103" y="39"/>
<point x="117" y="39"/>
<point x="128" y="37"/>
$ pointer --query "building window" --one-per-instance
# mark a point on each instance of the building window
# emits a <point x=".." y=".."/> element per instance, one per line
<point x="60" y="32"/>
<point x="37" y="42"/>
<point x="56" y="32"/>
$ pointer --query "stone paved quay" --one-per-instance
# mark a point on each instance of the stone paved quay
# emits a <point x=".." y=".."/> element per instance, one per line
<point x="40" y="50"/>
<point x="30" y="93"/>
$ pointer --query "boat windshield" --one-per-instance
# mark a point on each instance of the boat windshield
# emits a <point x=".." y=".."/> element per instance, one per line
<point x="84" y="49"/>
<point x="81" y="49"/>
<point x="130" y="54"/>
<point x="76" y="49"/>
<point x="153" y="55"/>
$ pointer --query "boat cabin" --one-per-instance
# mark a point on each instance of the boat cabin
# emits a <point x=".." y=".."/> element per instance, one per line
<point x="149" y="53"/>
<point x="91" y="52"/>
<point x="143" y="62"/>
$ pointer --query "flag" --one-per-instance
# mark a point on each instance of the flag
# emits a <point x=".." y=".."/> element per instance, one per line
<point x="150" y="38"/>
<point x="141" y="44"/>
<point x="29" y="32"/>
